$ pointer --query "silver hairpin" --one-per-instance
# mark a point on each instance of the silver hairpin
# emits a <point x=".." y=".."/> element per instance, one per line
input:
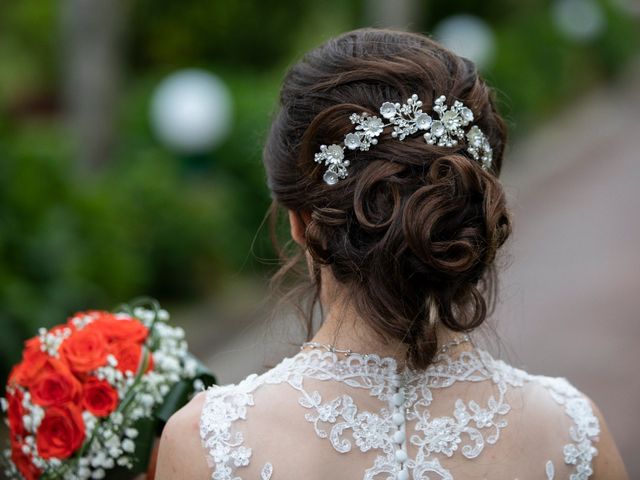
<point x="407" y="119"/>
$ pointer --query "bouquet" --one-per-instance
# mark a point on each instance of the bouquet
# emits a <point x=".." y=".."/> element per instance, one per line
<point x="90" y="396"/>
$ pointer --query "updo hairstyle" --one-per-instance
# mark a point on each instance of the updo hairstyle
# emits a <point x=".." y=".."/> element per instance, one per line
<point x="412" y="232"/>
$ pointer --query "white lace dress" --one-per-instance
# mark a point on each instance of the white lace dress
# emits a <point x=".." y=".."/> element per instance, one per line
<point x="318" y="415"/>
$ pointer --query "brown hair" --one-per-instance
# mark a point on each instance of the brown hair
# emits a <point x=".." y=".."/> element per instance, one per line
<point x="414" y="229"/>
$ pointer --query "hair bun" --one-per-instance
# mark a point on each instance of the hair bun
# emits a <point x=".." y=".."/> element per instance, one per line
<point x="444" y="222"/>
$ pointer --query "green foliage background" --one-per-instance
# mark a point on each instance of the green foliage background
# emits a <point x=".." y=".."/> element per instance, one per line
<point x="176" y="228"/>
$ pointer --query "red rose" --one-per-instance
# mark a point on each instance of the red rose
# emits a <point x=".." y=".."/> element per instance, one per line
<point x="85" y="350"/>
<point x="129" y="355"/>
<point x="31" y="346"/>
<point x="33" y="360"/>
<point x="61" y="432"/>
<point x="23" y="463"/>
<point x="15" y="412"/>
<point x="18" y="375"/>
<point x="55" y="385"/>
<point x="99" y="397"/>
<point x="118" y="328"/>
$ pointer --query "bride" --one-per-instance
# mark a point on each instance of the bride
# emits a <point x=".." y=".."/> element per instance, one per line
<point x="386" y="152"/>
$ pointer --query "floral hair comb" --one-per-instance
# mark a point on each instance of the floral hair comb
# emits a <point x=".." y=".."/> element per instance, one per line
<point x="407" y="119"/>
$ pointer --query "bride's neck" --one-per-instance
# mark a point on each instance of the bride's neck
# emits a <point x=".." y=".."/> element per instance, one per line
<point x="344" y="328"/>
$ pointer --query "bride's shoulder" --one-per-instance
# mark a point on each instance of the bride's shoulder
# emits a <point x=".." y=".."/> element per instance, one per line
<point x="543" y="397"/>
<point x="180" y="453"/>
<point x="203" y="424"/>
<point x="555" y="403"/>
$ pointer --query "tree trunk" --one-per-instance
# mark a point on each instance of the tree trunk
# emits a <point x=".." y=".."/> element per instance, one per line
<point x="92" y="37"/>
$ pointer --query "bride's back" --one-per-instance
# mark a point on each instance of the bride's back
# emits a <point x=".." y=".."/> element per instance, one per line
<point x="468" y="416"/>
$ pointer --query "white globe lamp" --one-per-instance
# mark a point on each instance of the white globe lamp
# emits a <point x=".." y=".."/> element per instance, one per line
<point x="191" y="111"/>
<point x="467" y="36"/>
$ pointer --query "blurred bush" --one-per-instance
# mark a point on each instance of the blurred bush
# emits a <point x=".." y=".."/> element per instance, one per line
<point x="242" y="32"/>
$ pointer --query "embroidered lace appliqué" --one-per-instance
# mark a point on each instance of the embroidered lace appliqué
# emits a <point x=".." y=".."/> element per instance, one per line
<point x="470" y="427"/>
<point x="222" y="407"/>
<point x="584" y="430"/>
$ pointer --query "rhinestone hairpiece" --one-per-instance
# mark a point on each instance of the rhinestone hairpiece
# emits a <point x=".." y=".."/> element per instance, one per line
<point x="407" y="119"/>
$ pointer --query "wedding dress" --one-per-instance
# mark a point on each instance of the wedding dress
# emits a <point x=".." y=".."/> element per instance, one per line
<point x="321" y="415"/>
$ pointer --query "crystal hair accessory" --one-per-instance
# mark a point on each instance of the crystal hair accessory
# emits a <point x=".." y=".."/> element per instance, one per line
<point x="407" y="119"/>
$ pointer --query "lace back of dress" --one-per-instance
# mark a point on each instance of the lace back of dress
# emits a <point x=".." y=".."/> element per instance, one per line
<point x="318" y="416"/>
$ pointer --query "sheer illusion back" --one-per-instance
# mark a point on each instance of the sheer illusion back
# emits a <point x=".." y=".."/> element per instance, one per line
<point x="319" y="415"/>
